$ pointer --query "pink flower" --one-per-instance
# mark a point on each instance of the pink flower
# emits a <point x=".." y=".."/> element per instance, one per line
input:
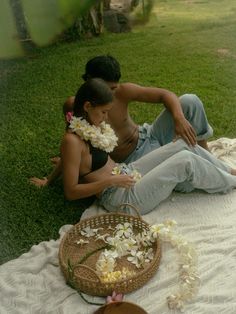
<point x="114" y="297"/>
<point x="69" y="115"/>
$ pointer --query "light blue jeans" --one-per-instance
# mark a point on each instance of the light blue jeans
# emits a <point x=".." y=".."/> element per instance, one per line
<point x="175" y="166"/>
<point x="162" y="131"/>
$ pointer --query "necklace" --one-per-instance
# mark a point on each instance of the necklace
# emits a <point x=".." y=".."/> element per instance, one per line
<point x="102" y="136"/>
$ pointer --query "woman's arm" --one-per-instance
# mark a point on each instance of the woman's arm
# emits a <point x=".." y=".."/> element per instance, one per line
<point x="52" y="177"/>
<point x="71" y="152"/>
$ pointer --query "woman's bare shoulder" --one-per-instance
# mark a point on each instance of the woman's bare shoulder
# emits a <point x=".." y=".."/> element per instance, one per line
<point x="72" y="139"/>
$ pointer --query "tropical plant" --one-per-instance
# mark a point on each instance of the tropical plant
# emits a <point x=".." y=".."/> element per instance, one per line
<point x="25" y="22"/>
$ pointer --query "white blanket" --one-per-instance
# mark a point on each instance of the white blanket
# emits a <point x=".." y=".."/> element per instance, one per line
<point x="34" y="284"/>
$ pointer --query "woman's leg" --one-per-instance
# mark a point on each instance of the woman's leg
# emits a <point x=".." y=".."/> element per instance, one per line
<point x="156" y="185"/>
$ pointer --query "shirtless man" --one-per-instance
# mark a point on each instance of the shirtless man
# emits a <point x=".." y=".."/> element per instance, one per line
<point x="183" y="117"/>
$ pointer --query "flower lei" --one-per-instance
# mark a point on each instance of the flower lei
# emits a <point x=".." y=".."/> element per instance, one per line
<point x="102" y="137"/>
<point x="189" y="278"/>
<point x="137" y="248"/>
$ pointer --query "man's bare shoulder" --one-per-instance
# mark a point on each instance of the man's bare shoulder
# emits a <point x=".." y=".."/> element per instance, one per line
<point x="128" y="86"/>
<point x="134" y="92"/>
<point x="127" y="90"/>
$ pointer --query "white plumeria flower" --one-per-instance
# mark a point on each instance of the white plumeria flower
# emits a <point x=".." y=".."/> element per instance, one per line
<point x="125" y="246"/>
<point x="111" y="241"/>
<point x="110" y="253"/>
<point x="119" y="245"/>
<point x="145" y="238"/>
<point x="155" y="229"/>
<point x="148" y="255"/>
<point x="136" y="258"/>
<point x="105" y="264"/>
<point x="102" y="137"/>
<point x="88" y="232"/>
<point x="124" y="230"/>
<point x="81" y="242"/>
<point x="136" y="175"/>
<point x="116" y="170"/>
<point x="102" y="237"/>
<point x="131" y="244"/>
<point x="175" y="302"/>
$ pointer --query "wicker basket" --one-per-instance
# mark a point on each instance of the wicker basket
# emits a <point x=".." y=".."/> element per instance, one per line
<point x="78" y="264"/>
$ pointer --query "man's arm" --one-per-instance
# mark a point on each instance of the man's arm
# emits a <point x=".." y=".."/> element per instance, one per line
<point x="134" y="92"/>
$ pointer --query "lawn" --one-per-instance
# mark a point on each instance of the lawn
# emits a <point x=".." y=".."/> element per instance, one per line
<point x="188" y="47"/>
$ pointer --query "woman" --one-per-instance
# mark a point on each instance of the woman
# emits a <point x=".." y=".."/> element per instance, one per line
<point x="88" y="170"/>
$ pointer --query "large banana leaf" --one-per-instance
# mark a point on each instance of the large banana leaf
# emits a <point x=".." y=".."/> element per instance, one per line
<point x="44" y="19"/>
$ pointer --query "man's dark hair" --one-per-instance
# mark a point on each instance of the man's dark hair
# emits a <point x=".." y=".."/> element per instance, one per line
<point x="104" y="67"/>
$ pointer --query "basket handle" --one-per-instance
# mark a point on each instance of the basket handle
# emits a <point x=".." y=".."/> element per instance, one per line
<point x="88" y="268"/>
<point x="137" y="211"/>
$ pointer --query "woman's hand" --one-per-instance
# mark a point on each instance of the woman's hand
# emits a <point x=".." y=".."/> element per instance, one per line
<point x="122" y="181"/>
<point x="39" y="182"/>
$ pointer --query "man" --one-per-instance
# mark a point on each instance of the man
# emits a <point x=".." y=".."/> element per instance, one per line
<point x="183" y="117"/>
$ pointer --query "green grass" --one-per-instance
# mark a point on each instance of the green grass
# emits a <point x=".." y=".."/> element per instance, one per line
<point x="187" y="47"/>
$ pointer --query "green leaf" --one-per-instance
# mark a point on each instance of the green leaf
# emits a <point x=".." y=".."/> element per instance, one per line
<point x="9" y="42"/>
<point x="71" y="9"/>
<point x="44" y="20"/>
<point x="47" y="19"/>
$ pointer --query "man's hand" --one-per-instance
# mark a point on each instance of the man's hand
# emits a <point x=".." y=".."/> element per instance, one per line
<point x="39" y="182"/>
<point x="185" y="130"/>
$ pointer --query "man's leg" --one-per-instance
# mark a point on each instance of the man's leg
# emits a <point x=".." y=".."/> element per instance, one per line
<point x="158" y="156"/>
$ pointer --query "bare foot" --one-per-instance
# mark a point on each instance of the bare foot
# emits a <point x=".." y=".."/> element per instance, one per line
<point x="233" y="172"/>
<point x="203" y="144"/>
<point x="55" y="160"/>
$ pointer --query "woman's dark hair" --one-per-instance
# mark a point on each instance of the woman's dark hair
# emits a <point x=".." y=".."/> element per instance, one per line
<point x="104" y="67"/>
<point x="96" y="91"/>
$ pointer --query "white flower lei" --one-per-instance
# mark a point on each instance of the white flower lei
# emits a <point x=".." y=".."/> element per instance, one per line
<point x="189" y="278"/>
<point x="102" y="137"/>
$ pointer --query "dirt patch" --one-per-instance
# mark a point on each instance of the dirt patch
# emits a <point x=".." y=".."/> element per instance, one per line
<point x="223" y="52"/>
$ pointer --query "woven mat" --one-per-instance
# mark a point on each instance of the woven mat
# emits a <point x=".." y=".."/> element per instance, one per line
<point x="34" y="284"/>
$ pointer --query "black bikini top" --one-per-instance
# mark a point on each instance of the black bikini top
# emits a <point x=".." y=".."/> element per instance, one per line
<point x="99" y="157"/>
